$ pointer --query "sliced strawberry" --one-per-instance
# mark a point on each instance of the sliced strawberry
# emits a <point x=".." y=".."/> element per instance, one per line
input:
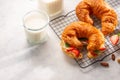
<point x="114" y="39"/>
<point x="102" y="48"/>
<point x="70" y="49"/>
<point x="94" y="54"/>
<point x="75" y="52"/>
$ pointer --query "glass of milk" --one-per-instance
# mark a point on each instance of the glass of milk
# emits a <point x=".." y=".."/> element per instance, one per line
<point x="52" y="7"/>
<point x="35" y="23"/>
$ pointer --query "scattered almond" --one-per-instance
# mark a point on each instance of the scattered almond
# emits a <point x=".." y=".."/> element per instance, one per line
<point x="113" y="57"/>
<point x="104" y="64"/>
<point x="118" y="60"/>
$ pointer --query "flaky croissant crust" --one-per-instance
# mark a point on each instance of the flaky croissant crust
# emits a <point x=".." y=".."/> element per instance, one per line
<point x="101" y="10"/>
<point x="76" y="30"/>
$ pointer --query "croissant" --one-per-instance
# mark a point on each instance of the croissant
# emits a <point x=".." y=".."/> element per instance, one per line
<point x="76" y="30"/>
<point x="101" y="10"/>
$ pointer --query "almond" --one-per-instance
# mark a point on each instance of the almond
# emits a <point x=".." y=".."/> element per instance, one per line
<point x="113" y="57"/>
<point x="118" y="60"/>
<point x="104" y="64"/>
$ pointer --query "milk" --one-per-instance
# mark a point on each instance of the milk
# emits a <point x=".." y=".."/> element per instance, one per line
<point x="52" y="7"/>
<point x="35" y="24"/>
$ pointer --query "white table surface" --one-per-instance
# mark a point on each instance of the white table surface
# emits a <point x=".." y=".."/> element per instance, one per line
<point x="20" y="61"/>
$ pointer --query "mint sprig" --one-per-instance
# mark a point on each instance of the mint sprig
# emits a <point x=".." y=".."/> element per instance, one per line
<point x="67" y="45"/>
<point x="97" y="51"/>
<point x="118" y="34"/>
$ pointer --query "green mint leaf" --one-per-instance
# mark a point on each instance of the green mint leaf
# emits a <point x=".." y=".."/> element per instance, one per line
<point x="97" y="51"/>
<point x="67" y="45"/>
<point x="118" y="34"/>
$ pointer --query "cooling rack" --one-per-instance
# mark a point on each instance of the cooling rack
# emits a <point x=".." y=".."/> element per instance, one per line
<point x="58" y="24"/>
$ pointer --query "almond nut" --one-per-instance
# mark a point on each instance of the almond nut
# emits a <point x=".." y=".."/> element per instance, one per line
<point x="113" y="57"/>
<point x="104" y="64"/>
<point x="118" y="60"/>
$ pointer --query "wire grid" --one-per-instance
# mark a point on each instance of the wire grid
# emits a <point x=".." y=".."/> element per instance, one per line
<point x="58" y="25"/>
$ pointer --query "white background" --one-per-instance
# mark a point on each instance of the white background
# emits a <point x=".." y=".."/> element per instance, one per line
<point x="20" y="61"/>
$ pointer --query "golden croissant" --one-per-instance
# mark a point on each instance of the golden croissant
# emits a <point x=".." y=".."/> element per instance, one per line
<point x="101" y="10"/>
<point x="76" y="30"/>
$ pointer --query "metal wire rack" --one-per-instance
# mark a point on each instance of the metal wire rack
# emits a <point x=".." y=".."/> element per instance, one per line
<point x="58" y="24"/>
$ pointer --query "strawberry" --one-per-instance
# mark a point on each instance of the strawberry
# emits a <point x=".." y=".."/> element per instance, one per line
<point x="70" y="49"/>
<point x="75" y="52"/>
<point x="94" y="54"/>
<point x="114" y="39"/>
<point x="102" y="48"/>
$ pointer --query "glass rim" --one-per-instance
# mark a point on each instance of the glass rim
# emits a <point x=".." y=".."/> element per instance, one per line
<point x="39" y="11"/>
